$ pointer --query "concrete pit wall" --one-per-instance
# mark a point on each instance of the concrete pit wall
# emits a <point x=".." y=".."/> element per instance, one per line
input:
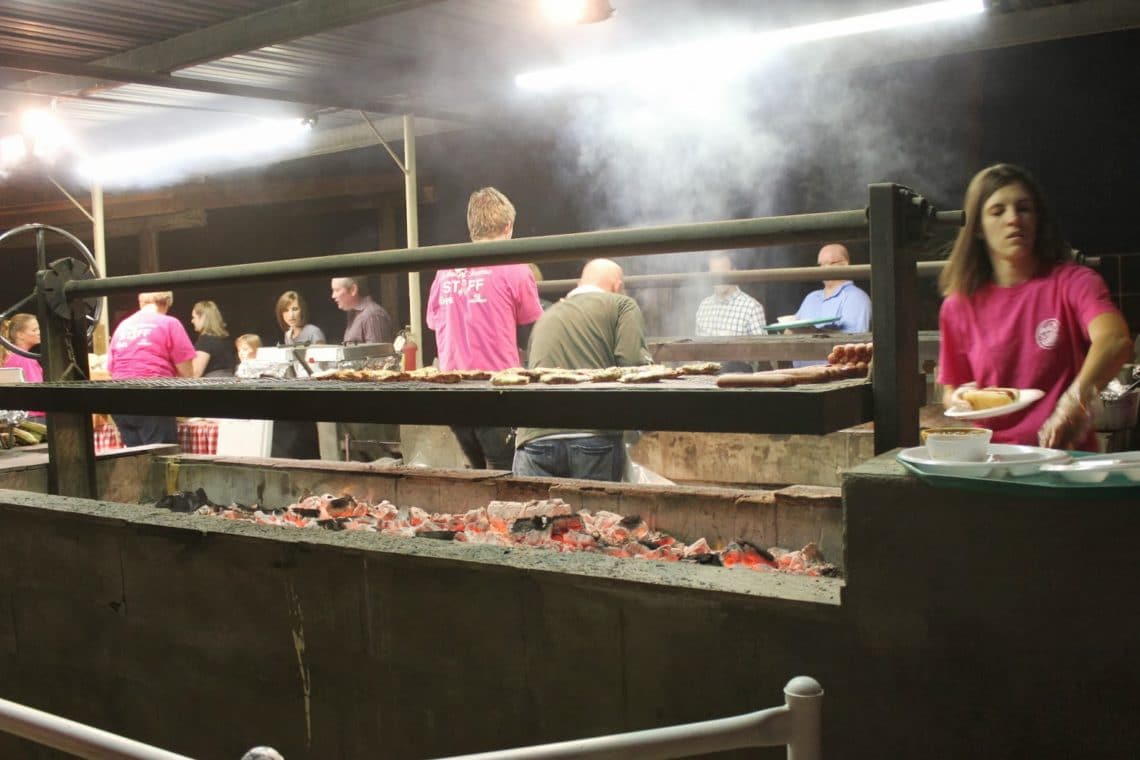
<point x="971" y="625"/>
<point x="120" y="476"/>
<point x="208" y="636"/>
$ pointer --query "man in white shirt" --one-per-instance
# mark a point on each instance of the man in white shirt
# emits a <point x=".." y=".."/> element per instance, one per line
<point x="729" y="311"/>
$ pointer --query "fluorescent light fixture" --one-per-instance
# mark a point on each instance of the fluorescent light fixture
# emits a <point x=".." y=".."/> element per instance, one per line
<point x="43" y="134"/>
<point x="576" y="11"/>
<point x="734" y="52"/>
<point x="220" y="150"/>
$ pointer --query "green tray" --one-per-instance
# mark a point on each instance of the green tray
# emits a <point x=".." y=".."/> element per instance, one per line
<point x="1040" y="484"/>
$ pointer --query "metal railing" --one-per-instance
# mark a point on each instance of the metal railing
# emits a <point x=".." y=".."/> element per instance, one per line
<point x="75" y="738"/>
<point x="796" y="724"/>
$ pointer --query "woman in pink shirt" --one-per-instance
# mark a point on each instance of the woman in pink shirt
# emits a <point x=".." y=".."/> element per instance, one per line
<point x="23" y="330"/>
<point x="1020" y="313"/>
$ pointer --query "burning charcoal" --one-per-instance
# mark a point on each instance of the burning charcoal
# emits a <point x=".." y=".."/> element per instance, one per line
<point x="829" y="570"/>
<point x="441" y="535"/>
<point x="630" y="522"/>
<point x="711" y="558"/>
<point x="563" y="523"/>
<point x="305" y="511"/>
<point x="332" y="523"/>
<point x="524" y="524"/>
<point x="182" y="501"/>
<point x="203" y="499"/>
<point x="749" y="545"/>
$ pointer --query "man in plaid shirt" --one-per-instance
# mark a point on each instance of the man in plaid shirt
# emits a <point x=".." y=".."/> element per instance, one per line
<point x="729" y="311"/>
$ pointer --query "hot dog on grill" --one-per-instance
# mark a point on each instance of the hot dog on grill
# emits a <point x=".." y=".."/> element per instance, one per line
<point x="755" y="380"/>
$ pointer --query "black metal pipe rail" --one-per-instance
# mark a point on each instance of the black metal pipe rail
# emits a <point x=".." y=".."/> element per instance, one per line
<point x="678" y="238"/>
<point x="777" y="274"/>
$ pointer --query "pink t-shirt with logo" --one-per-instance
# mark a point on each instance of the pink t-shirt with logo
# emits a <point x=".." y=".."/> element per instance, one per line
<point x="474" y="312"/>
<point x="33" y="372"/>
<point x="1031" y="335"/>
<point x="148" y="344"/>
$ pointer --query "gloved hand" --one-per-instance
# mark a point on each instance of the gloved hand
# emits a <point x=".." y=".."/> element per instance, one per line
<point x="957" y="403"/>
<point x="1070" y="420"/>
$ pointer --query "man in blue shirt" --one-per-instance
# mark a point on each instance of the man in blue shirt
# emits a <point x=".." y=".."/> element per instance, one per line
<point x="849" y="305"/>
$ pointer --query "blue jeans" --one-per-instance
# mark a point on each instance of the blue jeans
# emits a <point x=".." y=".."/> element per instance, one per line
<point x="595" y="457"/>
<point x="486" y="448"/>
<point x="139" y="430"/>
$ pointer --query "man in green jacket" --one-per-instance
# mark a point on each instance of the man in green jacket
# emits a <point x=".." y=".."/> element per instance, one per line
<point x="595" y="326"/>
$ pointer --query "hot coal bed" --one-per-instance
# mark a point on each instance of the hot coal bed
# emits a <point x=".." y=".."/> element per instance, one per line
<point x="964" y="626"/>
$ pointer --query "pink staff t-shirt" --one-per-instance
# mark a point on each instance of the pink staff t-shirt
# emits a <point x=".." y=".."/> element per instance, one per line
<point x="33" y="372"/>
<point x="1031" y="335"/>
<point x="474" y="312"/>
<point x="148" y="344"/>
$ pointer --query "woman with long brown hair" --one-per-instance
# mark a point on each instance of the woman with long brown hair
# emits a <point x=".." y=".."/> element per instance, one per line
<point x="1020" y="313"/>
<point x="293" y="318"/>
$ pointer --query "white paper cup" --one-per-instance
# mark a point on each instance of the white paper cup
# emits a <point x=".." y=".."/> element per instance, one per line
<point x="957" y="444"/>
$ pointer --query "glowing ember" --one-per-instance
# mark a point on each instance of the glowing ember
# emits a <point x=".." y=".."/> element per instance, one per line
<point x="548" y="524"/>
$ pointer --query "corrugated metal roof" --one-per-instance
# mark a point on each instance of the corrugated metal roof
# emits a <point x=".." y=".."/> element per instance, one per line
<point x="85" y="30"/>
<point x="454" y="55"/>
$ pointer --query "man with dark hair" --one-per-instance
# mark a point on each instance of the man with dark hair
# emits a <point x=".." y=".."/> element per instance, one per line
<point x="595" y="326"/>
<point x="368" y="321"/>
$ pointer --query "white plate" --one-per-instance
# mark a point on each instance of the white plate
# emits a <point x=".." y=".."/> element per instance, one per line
<point x="1096" y="469"/>
<point x="1025" y="397"/>
<point x="1003" y="459"/>
<point x="778" y="326"/>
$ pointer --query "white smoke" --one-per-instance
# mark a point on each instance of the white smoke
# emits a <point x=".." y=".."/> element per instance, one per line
<point x="782" y="139"/>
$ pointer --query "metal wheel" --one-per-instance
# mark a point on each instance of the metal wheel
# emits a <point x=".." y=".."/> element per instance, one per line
<point x="59" y="272"/>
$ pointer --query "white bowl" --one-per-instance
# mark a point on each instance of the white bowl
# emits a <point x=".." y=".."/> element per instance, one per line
<point x="958" y="444"/>
<point x="1081" y="471"/>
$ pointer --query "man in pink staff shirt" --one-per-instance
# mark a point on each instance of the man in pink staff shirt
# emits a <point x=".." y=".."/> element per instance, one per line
<point x="476" y="313"/>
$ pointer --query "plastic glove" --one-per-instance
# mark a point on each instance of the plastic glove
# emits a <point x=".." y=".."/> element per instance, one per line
<point x="1071" y="420"/>
<point x="957" y="402"/>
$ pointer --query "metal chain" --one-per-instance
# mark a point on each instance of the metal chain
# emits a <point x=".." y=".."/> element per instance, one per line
<point x="73" y="363"/>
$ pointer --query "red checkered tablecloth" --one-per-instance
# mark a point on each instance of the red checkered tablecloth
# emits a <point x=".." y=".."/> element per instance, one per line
<point x="107" y="438"/>
<point x="194" y="436"/>
<point x="198" y="436"/>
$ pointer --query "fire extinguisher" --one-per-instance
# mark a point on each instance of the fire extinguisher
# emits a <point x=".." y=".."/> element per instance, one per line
<point x="407" y="347"/>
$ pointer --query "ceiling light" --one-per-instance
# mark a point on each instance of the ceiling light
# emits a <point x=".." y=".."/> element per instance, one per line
<point x="211" y="152"/>
<point x="44" y="135"/>
<point x="734" y="53"/>
<point x="577" y="11"/>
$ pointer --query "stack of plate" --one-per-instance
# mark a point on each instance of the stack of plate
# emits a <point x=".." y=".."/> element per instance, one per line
<point x="1004" y="459"/>
<point x="1097" y="469"/>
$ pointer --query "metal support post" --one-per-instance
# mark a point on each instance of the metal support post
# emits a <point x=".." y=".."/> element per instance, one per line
<point x="894" y="316"/>
<point x="411" y="204"/>
<point x="70" y="437"/>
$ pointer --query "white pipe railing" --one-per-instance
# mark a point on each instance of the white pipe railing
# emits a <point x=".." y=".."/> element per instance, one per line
<point x="796" y="724"/>
<point x="75" y="738"/>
